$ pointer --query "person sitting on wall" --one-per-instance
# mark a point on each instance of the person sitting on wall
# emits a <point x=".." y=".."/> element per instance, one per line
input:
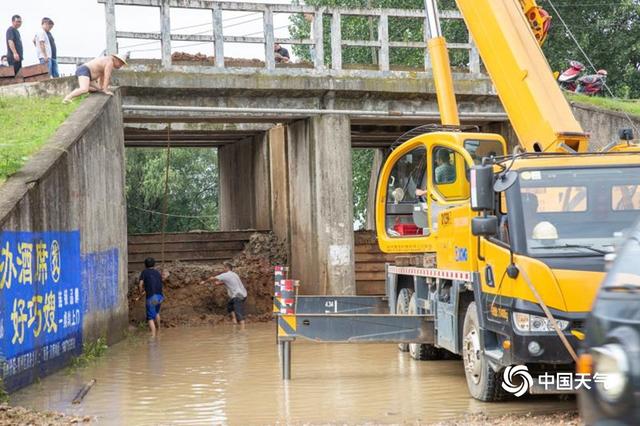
<point x="281" y="54"/>
<point x="236" y="291"/>
<point x="95" y="75"/>
<point x="151" y="284"/>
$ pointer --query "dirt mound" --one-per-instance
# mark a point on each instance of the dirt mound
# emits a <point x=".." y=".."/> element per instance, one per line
<point x="203" y="59"/>
<point x="23" y="416"/>
<point x="187" y="302"/>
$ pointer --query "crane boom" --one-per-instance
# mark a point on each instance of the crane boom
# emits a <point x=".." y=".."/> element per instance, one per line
<point x="538" y="111"/>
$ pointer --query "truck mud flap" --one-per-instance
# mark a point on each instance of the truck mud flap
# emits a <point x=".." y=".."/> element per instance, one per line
<point x="341" y="305"/>
<point x="365" y="328"/>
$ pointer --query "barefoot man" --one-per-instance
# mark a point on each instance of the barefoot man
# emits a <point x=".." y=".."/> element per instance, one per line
<point x="95" y="75"/>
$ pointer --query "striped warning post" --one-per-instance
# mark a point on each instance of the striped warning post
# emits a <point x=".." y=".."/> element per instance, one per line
<point x="286" y="326"/>
<point x="279" y="273"/>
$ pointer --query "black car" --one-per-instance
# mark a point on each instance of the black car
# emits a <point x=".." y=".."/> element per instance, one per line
<point x="611" y="353"/>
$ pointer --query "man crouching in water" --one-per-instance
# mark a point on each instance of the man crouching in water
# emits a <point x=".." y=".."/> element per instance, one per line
<point x="236" y="291"/>
<point x="95" y="75"/>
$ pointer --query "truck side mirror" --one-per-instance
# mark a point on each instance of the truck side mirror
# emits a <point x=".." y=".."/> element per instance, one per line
<point x="486" y="226"/>
<point x="482" y="195"/>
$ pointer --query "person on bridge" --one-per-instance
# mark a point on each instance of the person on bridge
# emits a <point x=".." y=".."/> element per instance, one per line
<point x="151" y="285"/>
<point x="236" y="291"/>
<point x="95" y="75"/>
<point x="46" y="46"/>
<point x="281" y="54"/>
<point x="14" y="44"/>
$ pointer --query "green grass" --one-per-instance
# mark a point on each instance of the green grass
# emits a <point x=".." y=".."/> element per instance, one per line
<point x="630" y="106"/>
<point x="90" y="352"/>
<point x="25" y="125"/>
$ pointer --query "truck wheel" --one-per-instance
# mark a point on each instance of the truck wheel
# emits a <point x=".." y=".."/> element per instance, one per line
<point x="402" y="308"/>
<point x="482" y="381"/>
<point x="421" y="351"/>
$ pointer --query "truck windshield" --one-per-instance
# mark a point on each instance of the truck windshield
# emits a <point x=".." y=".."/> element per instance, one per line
<point x="578" y="212"/>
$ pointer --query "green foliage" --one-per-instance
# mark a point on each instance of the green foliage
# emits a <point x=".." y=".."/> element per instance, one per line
<point x="193" y="189"/>
<point x="608" y="31"/>
<point x="26" y="123"/>
<point x="90" y="352"/>
<point x="362" y="160"/>
<point x="366" y="28"/>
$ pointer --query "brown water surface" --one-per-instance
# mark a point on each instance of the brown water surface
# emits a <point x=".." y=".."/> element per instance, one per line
<point x="223" y="375"/>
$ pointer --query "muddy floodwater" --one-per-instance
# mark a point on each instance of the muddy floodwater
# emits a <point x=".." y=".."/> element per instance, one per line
<point x="220" y="375"/>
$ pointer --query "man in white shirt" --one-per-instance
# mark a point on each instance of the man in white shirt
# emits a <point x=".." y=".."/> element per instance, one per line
<point x="236" y="291"/>
<point x="46" y="47"/>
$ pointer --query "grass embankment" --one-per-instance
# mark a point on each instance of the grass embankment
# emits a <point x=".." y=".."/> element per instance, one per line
<point x="630" y="106"/>
<point x="25" y="125"/>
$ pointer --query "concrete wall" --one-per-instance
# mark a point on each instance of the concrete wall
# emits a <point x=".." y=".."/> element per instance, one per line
<point x="603" y="125"/>
<point x="64" y="241"/>
<point x="245" y="191"/>
<point x="321" y="204"/>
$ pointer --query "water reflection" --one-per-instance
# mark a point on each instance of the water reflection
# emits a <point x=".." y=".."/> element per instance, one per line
<point x="226" y="376"/>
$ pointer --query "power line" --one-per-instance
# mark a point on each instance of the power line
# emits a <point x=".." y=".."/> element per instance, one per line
<point x="146" y="43"/>
<point x="172" y="215"/>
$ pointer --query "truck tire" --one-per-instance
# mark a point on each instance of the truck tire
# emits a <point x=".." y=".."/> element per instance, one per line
<point x="422" y="351"/>
<point x="482" y="381"/>
<point x="402" y="308"/>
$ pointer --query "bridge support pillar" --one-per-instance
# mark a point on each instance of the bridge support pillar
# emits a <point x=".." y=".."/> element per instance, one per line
<point x="244" y="185"/>
<point x="321" y="204"/>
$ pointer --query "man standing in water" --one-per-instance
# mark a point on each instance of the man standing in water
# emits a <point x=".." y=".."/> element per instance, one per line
<point x="151" y="284"/>
<point x="236" y="291"/>
<point x="95" y="75"/>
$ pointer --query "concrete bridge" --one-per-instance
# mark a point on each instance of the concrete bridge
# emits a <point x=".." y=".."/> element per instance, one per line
<point x="285" y="131"/>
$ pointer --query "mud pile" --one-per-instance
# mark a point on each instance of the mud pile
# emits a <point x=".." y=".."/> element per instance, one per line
<point x="203" y="59"/>
<point x="23" y="416"/>
<point x="559" y="419"/>
<point x="187" y="302"/>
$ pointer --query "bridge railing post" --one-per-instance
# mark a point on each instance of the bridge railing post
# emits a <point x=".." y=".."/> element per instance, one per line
<point x="426" y="36"/>
<point x="218" y="36"/>
<point x="474" y="57"/>
<point x="165" y="32"/>
<point x="336" y="41"/>
<point x="110" y="21"/>
<point x="317" y="31"/>
<point x="383" y="38"/>
<point x="269" y="39"/>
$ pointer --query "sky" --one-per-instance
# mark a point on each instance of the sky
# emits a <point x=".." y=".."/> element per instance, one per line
<point x="79" y="28"/>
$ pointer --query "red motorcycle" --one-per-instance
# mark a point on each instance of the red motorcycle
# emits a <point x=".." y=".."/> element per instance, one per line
<point x="592" y="85"/>
<point x="568" y="80"/>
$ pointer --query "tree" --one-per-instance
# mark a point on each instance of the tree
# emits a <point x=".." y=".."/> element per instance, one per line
<point x="193" y="189"/>
<point x="362" y="160"/>
<point x="608" y="31"/>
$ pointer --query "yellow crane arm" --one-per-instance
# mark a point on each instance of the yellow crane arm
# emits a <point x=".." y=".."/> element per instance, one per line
<point x="537" y="109"/>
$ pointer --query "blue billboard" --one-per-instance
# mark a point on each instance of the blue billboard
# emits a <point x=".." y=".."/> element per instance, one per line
<point x="41" y="302"/>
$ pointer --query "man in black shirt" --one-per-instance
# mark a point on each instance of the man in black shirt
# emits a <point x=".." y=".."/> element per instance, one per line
<point x="151" y="284"/>
<point x="281" y="54"/>
<point x="14" y="43"/>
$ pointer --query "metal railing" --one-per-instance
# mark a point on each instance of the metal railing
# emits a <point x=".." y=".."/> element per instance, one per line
<point x="316" y="40"/>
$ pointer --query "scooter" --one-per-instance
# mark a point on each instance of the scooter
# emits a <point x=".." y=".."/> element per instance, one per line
<point x="568" y="79"/>
<point x="592" y="85"/>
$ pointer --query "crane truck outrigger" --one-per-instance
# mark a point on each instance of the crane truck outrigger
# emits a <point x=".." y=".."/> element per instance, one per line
<point x="510" y="248"/>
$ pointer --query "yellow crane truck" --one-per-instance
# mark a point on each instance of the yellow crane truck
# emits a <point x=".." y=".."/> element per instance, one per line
<point x="508" y="248"/>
